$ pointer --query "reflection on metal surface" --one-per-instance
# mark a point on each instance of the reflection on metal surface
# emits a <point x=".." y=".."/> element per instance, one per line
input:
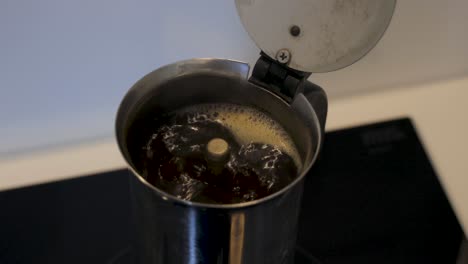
<point x="236" y="244"/>
<point x="192" y="237"/>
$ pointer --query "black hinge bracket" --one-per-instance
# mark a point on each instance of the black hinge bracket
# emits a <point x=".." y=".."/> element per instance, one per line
<point x="278" y="78"/>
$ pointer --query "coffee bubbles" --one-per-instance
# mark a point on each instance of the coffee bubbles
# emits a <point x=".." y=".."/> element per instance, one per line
<point x="215" y="153"/>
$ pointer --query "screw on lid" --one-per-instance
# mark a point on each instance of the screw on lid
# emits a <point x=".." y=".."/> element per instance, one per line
<point x="316" y="35"/>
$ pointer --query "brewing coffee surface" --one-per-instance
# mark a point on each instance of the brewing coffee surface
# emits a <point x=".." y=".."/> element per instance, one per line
<point x="218" y="153"/>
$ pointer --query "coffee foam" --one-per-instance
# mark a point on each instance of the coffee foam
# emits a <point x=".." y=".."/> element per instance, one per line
<point x="248" y="125"/>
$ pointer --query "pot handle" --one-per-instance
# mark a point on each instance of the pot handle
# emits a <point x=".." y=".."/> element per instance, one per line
<point x="318" y="99"/>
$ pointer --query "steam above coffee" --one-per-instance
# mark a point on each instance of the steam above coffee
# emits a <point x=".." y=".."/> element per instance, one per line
<point x="214" y="153"/>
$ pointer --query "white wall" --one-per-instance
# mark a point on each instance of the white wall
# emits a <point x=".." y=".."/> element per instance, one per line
<point x="65" y="64"/>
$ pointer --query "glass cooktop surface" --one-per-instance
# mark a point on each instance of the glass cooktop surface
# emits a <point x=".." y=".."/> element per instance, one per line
<point x="372" y="197"/>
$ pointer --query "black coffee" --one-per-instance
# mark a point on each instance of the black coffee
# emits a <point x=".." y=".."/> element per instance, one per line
<point x="217" y="153"/>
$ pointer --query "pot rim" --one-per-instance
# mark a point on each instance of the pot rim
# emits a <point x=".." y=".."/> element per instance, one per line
<point x="171" y="198"/>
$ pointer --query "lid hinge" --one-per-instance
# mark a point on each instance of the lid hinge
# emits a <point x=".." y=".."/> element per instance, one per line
<point x="278" y="78"/>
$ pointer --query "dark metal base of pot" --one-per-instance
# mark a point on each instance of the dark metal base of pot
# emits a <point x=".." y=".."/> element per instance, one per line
<point x="372" y="197"/>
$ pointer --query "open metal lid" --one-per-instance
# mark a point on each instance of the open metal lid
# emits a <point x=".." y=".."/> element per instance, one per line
<point x="316" y="35"/>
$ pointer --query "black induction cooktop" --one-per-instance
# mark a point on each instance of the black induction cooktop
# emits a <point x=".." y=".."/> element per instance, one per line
<point x="372" y="197"/>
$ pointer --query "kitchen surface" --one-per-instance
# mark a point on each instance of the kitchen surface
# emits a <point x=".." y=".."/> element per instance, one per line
<point x="383" y="203"/>
<point x="66" y="65"/>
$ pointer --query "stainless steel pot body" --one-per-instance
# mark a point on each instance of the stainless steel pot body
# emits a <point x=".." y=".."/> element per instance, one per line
<point x="169" y="230"/>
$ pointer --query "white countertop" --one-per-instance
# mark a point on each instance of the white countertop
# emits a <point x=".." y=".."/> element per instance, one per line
<point x="438" y="110"/>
